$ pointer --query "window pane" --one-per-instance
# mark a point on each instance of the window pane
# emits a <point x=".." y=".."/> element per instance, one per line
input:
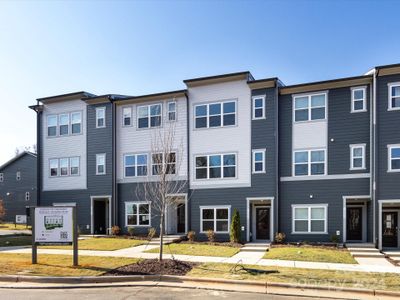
<point x="171" y="116"/>
<point x="229" y="120"/>
<point x="395" y="152"/>
<point x="215" y="121"/>
<point x="129" y="171"/>
<point x="201" y="110"/>
<point x="396" y="164"/>
<point x="76" y="117"/>
<point x="208" y="225"/>
<point x="317" y="213"/>
<point x="63" y="129"/>
<point x="358" y="105"/>
<point x="129" y="160"/>
<point x="201" y="122"/>
<point x="229" y="160"/>
<point x="301" y="169"/>
<point x="318" y="100"/>
<point x="143" y="208"/>
<point x="208" y="213"/>
<point x="141" y="170"/>
<point x="357" y="162"/>
<point x="222" y="213"/>
<point x="64" y="166"/>
<point x="258" y="156"/>
<point x="142" y="159"/>
<point x="144" y="220"/>
<point x="215" y="172"/>
<point x="358" y="94"/>
<point x="171" y="106"/>
<point x="100" y="113"/>
<point x="395" y="90"/>
<point x="301" y="213"/>
<point x="155" y="121"/>
<point x="215" y="109"/>
<point x="300" y="157"/>
<point x="357" y="151"/>
<point x="51" y="121"/>
<point x="215" y="160"/>
<point x="52" y="131"/>
<point x="201" y="173"/>
<point x="258" y="102"/>
<point x="317" y="226"/>
<point x="317" y="169"/>
<point x="155" y="110"/>
<point x="258" y="167"/>
<point x="143" y="122"/>
<point x="74" y="162"/>
<point x="317" y="156"/>
<point x="229" y="172"/>
<point x="64" y="119"/>
<point x="132" y="220"/>
<point x="143" y="112"/>
<point x="301" y="115"/>
<point x="395" y="102"/>
<point x="301" y="226"/>
<point x="76" y="128"/>
<point x="229" y="107"/>
<point x="201" y="161"/>
<point x="222" y="226"/>
<point x="318" y="113"/>
<point x="301" y="102"/>
<point x="258" y="113"/>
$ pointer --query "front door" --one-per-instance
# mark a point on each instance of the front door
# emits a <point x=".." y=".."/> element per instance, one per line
<point x="99" y="217"/>
<point x="389" y="229"/>
<point x="262" y="223"/>
<point x="354" y="223"/>
<point x="181" y="216"/>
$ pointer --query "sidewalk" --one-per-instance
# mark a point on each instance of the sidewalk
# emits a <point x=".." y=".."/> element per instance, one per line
<point x="136" y="252"/>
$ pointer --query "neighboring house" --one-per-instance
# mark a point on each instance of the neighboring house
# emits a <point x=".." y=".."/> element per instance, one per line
<point x="316" y="161"/>
<point x="18" y="182"/>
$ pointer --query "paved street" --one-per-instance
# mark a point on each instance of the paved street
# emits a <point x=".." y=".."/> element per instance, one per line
<point x="127" y="293"/>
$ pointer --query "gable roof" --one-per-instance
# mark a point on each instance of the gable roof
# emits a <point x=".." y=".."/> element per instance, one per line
<point x="14" y="159"/>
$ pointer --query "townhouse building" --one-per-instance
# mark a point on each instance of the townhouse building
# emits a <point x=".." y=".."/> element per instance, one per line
<point x="318" y="161"/>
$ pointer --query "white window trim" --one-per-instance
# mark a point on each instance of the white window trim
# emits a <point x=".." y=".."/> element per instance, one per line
<point x="58" y="167"/>
<point x="137" y="204"/>
<point x="47" y="127"/>
<point x="18" y="176"/>
<point x="263" y="151"/>
<point x="364" y="100"/>
<point x="163" y="163"/>
<point x="309" y="162"/>
<point x="207" y="116"/>
<point x="1" y="177"/>
<point x="98" y="109"/>
<point x="254" y="107"/>
<point x="81" y="122"/>
<point x="215" y="207"/>
<point x="68" y="167"/>
<point x="79" y="166"/>
<point x="136" y="155"/>
<point x="222" y="166"/>
<point x="149" y="116"/>
<point x="27" y="196"/>
<point x="352" y="147"/>
<point x="130" y="116"/>
<point x="97" y="164"/>
<point x="68" y="123"/>
<point x="309" y="206"/>
<point x="170" y="111"/>
<point x="390" y="85"/>
<point x="309" y="107"/>
<point x="390" y="147"/>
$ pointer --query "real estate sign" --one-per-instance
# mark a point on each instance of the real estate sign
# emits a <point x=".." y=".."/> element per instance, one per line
<point x="54" y="225"/>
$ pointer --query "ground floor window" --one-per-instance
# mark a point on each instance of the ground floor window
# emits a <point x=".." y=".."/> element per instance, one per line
<point x="137" y="214"/>
<point x="310" y="218"/>
<point x="215" y="218"/>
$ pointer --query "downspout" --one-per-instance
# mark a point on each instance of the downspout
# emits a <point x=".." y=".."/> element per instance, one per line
<point x="374" y="155"/>
<point x="188" y="203"/>
<point x="276" y="199"/>
<point x="114" y="165"/>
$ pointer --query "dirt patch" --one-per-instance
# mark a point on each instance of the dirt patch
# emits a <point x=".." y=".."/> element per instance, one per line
<point x="154" y="267"/>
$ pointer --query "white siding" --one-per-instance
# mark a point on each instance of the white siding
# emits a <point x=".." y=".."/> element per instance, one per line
<point x="131" y="139"/>
<point x="235" y="139"/>
<point x="308" y="135"/>
<point x="64" y="146"/>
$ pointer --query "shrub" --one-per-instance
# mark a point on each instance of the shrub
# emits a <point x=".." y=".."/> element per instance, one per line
<point x="131" y="231"/>
<point x="191" y="236"/>
<point x="235" y="227"/>
<point x="151" y="233"/>
<point x="280" y="237"/>
<point x="211" y="235"/>
<point x="334" y="238"/>
<point x="2" y="210"/>
<point x="115" y="230"/>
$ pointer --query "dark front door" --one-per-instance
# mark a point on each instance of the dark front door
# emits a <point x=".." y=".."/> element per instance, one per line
<point x="99" y="217"/>
<point x="262" y="223"/>
<point x="354" y="223"/>
<point x="389" y="229"/>
<point x="181" y="213"/>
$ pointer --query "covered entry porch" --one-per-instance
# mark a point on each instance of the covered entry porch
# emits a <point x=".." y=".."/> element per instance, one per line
<point x="389" y="224"/>
<point x="176" y="217"/>
<point x="260" y="219"/>
<point x="357" y="214"/>
<point x="100" y="215"/>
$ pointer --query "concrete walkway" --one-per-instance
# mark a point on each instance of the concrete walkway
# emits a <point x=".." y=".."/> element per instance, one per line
<point x="136" y="252"/>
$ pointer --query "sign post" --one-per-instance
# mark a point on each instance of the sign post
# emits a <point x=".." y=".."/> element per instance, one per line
<point x="54" y="226"/>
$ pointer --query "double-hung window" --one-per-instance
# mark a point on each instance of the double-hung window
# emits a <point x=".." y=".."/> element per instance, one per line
<point x="219" y="114"/>
<point x="74" y="166"/>
<point x="64" y="124"/>
<point x="18" y="176"/>
<point x="76" y="122"/>
<point x="53" y="167"/>
<point x="309" y="162"/>
<point x="357" y="157"/>
<point x="258" y="107"/>
<point x="27" y="196"/>
<point x="100" y="117"/>
<point x="159" y="162"/>
<point x="137" y="214"/>
<point x="1" y="177"/>
<point x="215" y="166"/>
<point x="215" y="218"/>
<point x="127" y="116"/>
<point x="310" y="107"/>
<point x="100" y="164"/>
<point x="259" y="161"/>
<point x="394" y="158"/>
<point x="149" y="116"/>
<point x="172" y="111"/>
<point x="358" y="99"/>
<point x="310" y="218"/>
<point x="64" y="166"/>
<point x="394" y="96"/>
<point x="135" y="165"/>
<point x="51" y="125"/>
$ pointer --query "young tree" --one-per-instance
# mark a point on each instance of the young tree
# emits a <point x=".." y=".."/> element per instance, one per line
<point x="235" y="227"/>
<point x="162" y="183"/>
<point x="2" y="210"/>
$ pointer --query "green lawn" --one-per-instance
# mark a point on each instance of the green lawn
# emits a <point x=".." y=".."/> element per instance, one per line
<point x="59" y="265"/>
<point x="105" y="244"/>
<point x="20" y="240"/>
<point x="198" y="250"/>
<point x="11" y="226"/>
<point x="315" y="254"/>
<point x="381" y="281"/>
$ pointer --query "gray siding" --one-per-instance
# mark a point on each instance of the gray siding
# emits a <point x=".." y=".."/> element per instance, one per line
<point x="15" y="203"/>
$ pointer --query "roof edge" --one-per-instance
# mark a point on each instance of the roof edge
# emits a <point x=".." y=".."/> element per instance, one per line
<point x="155" y="96"/>
<point x="17" y="157"/>
<point x="65" y="97"/>
<point x="244" y="75"/>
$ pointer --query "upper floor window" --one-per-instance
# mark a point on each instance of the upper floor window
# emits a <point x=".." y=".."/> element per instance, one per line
<point x="76" y="122"/>
<point x="27" y="196"/>
<point x="394" y="158"/>
<point x="310" y="107"/>
<point x="258" y="107"/>
<point x="358" y="99"/>
<point x="64" y="166"/>
<point x="53" y="167"/>
<point x="172" y="111"/>
<point x="127" y="116"/>
<point x="309" y="162"/>
<point x="357" y="157"/>
<point x="135" y="165"/>
<point x="100" y="164"/>
<point x="51" y="125"/>
<point x="259" y="161"/>
<point x="149" y="116"/>
<point x="18" y="176"/>
<point x="64" y="124"/>
<point x="137" y="214"/>
<point x="159" y="161"/>
<point x="100" y="117"/>
<point x="215" y="166"/>
<point x="1" y="177"/>
<point x="394" y="96"/>
<point x="74" y="165"/>
<point x="309" y="218"/>
<point x="215" y="114"/>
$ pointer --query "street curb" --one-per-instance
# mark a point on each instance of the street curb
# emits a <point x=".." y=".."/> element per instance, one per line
<point x="267" y="287"/>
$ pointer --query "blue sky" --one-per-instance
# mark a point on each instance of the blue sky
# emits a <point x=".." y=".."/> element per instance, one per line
<point x="140" y="47"/>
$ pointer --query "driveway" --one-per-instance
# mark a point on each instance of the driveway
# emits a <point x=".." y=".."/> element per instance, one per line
<point x="15" y="232"/>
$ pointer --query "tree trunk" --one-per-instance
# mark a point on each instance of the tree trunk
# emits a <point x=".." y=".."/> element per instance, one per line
<point x="161" y="236"/>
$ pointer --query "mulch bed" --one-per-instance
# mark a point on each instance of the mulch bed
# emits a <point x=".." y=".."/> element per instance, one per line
<point x="154" y="267"/>
<point x="226" y="244"/>
<point x="308" y="245"/>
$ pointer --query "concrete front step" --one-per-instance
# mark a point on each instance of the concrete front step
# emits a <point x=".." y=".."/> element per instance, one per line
<point x="366" y="254"/>
<point x="392" y="253"/>
<point x="253" y="249"/>
<point x="366" y="250"/>
<point x="261" y="245"/>
<point x="360" y="245"/>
